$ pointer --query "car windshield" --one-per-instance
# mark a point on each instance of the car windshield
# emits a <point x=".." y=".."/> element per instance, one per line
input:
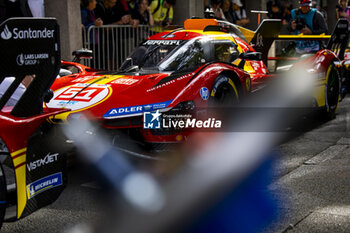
<point x="166" y="56"/>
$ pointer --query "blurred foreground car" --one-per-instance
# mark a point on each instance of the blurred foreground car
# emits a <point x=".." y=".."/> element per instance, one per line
<point x="32" y="169"/>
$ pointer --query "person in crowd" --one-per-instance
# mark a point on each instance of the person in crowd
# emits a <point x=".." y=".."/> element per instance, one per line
<point x="216" y="6"/>
<point x="143" y="15"/>
<point x="286" y="11"/>
<point x="104" y="10"/>
<point x="227" y="10"/>
<point x="308" y="21"/>
<point x="88" y="17"/>
<point x="6" y="83"/>
<point x="123" y="13"/>
<point x="162" y="12"/>
<point x="133" y="4"/>
<point x="239" y="13"/>
<point x="343" y="11"/>
<point x="274" y="9"/>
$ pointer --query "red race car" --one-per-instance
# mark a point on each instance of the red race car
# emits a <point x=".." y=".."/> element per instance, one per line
<point x="208" y="61"/>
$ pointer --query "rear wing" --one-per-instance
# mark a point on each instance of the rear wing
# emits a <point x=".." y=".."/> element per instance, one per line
<point x="262" y="39"/>
<point x="340" y="37"/>
<point x="29" y="46"/>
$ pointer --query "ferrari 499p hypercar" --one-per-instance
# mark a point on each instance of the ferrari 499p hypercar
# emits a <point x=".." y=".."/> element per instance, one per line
<point x="208" y="61"/>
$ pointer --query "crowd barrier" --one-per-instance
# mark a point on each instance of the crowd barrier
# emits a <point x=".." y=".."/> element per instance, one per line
<point x="111" y="44"/>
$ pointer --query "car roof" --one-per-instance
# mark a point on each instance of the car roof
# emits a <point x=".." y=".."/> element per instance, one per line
<point x="194" y="28"/>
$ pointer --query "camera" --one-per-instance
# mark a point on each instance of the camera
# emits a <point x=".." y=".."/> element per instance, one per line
<point x="300" y="23"/>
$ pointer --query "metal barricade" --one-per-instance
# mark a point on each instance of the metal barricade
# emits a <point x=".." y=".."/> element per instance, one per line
<point x="111" y="44"/>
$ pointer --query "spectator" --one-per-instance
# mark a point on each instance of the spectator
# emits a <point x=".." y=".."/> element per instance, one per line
<point x="88" y="17"/>
<point x="216" y="5"/>
<point x="123" y="14"/>
<point x="274" y="9"/>
<point x="227" y="10"/>
<point x="104" y="11"/>
<point x="286" y="9"/>
<point x="343" y="11"/>
<point x="239" y="13"/>
<point x="308" y="21"/>
<point x="6" y="83"/>
<point x="143" y="15"/>
<point x="162" y="12"/>
<point x="133" y="4"/>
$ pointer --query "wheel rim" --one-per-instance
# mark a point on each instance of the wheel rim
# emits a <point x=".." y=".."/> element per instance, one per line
<point x="225" y="95"/>
<point x="332" y="90"/>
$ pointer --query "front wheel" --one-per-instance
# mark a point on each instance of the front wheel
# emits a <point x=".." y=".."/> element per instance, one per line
<point x="332" y="92"/>
<point x="224" y="92"/>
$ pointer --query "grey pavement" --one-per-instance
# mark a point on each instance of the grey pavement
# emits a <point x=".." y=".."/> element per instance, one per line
<point x="313" y="179"/>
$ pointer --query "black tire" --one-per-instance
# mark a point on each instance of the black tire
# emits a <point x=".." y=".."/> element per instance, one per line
<point x="332" y="94"/>
<point x="224" y="92"/>
<point x="2" y="195"/>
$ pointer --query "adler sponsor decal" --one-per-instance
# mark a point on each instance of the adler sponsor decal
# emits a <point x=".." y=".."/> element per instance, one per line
<point x="136" y="110"/>
<point x="29" y="33"/>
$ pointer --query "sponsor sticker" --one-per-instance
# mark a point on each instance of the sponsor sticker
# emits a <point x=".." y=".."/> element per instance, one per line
<point x="79" y="96"/>
<point x="135" y="110"/>
<point x="162" y="42"/>
<point x="29" y="33"/>
<point x="204" y="93"/>
<point x="125" y="81"/>
<point x="31" y="59"/>
<point x="44" y="184"/>
<point x="49" y="158"/>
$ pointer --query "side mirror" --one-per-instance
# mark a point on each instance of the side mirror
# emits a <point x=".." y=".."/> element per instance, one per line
<point x="234" y="56"/>
<point x="82" y="53"/>
<point x="254" y="56"/>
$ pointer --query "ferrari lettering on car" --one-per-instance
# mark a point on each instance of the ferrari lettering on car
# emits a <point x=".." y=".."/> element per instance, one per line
<point x="162" y="42"/>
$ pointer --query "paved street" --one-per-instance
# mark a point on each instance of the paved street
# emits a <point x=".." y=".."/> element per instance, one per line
<point x="313" y="179"/>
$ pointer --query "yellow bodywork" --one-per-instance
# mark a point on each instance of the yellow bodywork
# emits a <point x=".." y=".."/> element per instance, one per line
<point x="19" y="163"/>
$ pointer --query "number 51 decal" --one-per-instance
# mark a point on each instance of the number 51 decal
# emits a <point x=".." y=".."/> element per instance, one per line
<point x="80" y="94"/>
